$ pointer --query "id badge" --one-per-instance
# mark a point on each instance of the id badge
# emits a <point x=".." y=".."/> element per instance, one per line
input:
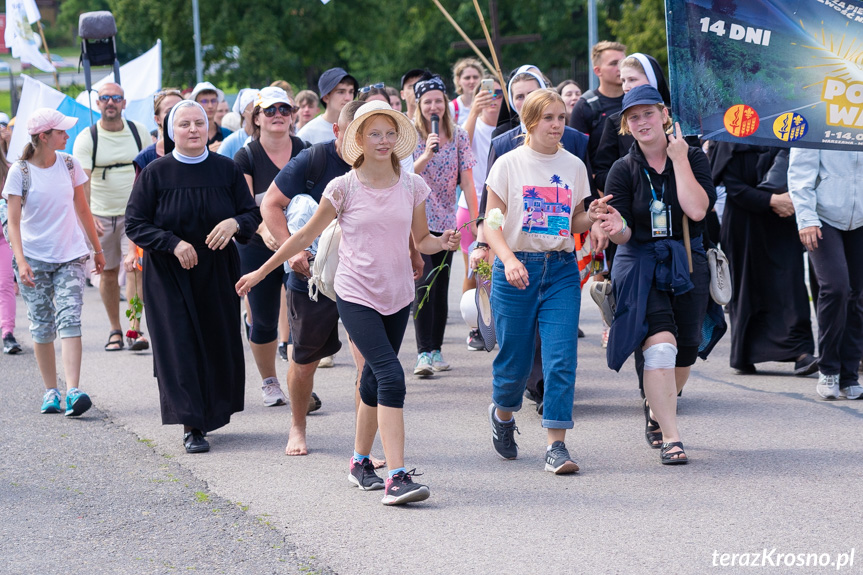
<point x="660" y="224"/>
<point x="657" y="206"/>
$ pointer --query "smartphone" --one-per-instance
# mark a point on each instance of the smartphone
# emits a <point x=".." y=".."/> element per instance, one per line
<point x="487" y="84"/>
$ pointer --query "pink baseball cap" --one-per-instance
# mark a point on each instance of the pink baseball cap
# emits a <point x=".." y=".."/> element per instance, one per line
<point x="44" y="119"/>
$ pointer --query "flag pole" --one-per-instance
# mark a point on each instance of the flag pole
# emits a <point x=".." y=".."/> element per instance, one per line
<point x="48" y="53"/>
<point x="493" y="52"/>
<point x="463" y="35"/>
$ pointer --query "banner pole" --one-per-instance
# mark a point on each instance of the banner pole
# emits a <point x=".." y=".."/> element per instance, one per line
<point x="493" y="53"/>
<point x="48" y="53"/>
<point x="463" y="35"/>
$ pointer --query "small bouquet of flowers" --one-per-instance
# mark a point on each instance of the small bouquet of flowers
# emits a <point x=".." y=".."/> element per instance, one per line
<point x="494" y="220"/>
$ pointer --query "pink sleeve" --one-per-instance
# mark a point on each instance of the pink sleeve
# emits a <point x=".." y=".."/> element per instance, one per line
<point x="335" y="191"/>
<point x="421" y="189"/>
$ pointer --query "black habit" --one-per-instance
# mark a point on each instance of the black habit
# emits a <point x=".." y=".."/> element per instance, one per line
<point x="193" y="315"/>
<point x="769" y="309"/>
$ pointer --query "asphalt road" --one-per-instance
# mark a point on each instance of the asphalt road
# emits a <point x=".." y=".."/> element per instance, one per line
<point x="774" y="471"/>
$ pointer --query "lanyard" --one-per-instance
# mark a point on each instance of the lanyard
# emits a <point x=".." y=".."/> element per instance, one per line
<point x="653" y="191"/>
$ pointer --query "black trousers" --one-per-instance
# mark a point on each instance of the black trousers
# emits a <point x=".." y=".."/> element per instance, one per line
<point x="430" y="323"/>
<point x="838" y="263"/>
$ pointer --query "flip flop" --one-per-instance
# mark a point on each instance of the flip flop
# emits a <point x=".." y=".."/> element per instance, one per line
<point x="112" y="341"/>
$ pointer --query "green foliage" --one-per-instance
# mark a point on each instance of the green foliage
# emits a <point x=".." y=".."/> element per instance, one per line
<point x="641" y="27"/>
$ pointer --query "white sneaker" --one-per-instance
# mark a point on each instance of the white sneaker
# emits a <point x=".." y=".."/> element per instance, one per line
<point x="605" y="332"/>
<point x="328" y="361"/>
<point x="424" y="368"/>
<point x="438" y="362"/>
<point x="272" y="393"/>
<point x="851" y="392"/>
<point x="828" y="386"/>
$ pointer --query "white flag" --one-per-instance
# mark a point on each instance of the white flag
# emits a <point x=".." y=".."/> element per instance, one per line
<point x="20" y="38"/>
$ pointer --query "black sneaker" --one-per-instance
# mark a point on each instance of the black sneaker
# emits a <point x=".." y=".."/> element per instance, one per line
<point x="475" y="341"/>
<point x="806" y="366"/>
<point x="10" y="346"/>
<point x="401" y="489"/>
<point x="558" y="461"/>
<point x="363" y="475"/>
<point x="502" y="436"/>
<point x="283" y="351"/>
<point x="194" y="442"/>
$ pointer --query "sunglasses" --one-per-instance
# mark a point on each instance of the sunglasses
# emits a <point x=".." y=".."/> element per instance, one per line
<point x="282" y="109"/>
<point x="4" y="125"/>
<point x="115" y="98"/>
<point x="498" y="93"/>
<point x="365" y="89"/>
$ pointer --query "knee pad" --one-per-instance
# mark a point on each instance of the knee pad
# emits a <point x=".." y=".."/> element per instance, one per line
<point x="660" y="356"/>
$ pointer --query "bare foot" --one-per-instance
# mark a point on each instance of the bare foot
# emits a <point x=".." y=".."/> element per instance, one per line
<point x="296" y="442"/>
<point x="378" y="463"/>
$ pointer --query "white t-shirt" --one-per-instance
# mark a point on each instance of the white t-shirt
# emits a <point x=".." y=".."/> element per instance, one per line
<point x="539" y="191"/>
<point x="317" y="131"/>
<point x="480" y="146"/>
<point x="49" y="222"/>
<point x="460" y="116"/>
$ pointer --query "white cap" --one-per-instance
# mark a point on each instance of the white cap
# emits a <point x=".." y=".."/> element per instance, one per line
<point x="205" y="87"/>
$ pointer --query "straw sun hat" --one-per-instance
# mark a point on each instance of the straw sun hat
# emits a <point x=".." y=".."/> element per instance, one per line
<point x="406" y="144"/>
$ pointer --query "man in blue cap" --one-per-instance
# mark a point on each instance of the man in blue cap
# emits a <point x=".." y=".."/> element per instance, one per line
<point x="336" y="88"/>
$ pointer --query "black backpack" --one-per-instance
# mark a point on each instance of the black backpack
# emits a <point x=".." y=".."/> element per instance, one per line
<point x="314" y="170"/>
<point x="592" y="99"/>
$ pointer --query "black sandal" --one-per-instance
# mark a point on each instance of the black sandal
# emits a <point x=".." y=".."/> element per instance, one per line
<point x="111" y="341"/>
<point x="651" y="429"/>
<point x="676" y="458"/>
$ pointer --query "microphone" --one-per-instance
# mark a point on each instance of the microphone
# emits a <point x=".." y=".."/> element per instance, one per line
<point x="435" y="122"/>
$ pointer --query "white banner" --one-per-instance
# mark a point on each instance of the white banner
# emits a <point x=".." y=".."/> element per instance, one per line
<point x="20" y="38"/>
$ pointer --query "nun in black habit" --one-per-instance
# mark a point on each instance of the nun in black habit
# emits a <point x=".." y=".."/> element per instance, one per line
<point x="769" y="309"/>
<point x="185" y="210"/>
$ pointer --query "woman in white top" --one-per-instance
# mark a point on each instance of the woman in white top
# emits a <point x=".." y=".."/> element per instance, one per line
<point x="541" y="188"/>
<point x="466" y="75"/>
<point x="378" y="207"/>
<point x="480" y="124"/>
<point x="45" y="193"/>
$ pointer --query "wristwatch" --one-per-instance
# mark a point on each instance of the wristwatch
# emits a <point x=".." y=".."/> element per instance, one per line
<point x="480" y="245"/>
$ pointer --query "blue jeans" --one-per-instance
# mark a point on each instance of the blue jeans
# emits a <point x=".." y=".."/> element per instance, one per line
<point x="551" y="302"/>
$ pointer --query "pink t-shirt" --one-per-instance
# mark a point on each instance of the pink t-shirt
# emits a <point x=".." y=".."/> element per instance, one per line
<point x="374" y="260"/>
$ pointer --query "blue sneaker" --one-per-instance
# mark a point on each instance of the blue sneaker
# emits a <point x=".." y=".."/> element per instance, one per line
<point x="51" y="401"/>
<point x="77" y="402"/>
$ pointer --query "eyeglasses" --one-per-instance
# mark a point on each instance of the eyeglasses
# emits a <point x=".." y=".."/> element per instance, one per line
<point x="377" y="137"/>
<point x="115" y="98"/>
<point x="208" y="101"/>
<point x="282" y="109"/>
<point x="365" y="89"/>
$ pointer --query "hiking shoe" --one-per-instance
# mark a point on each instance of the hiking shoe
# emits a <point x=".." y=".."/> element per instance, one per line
<point x="272" y="393"/>
<point x="424" y="368"/>
<point x="851" y="392"/>
<point x="806" y="366"/>
<point x="314" y="403"/>
<point x="502" y="435"/>
<point x="438" y="362"/>
<point x="558" y="461"/>
<point x="363" y="475"/>
<point x="283" y="351"/>
<point x="828" y="386"/>
<point x="51" y="401"/>
<point x="10" y="346"/>
<point x="77" y="402"/>
<point x="328" y="361"/>
<point x="475" y="341"/>
<point x="401" y="489"/>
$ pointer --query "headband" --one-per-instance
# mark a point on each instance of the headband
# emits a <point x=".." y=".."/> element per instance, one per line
<point x="177" y="106"/>
<point x="648" y="68"/>
<point x="433" y="83"/>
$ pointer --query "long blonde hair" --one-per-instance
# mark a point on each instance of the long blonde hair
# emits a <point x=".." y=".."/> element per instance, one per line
<point x="534" y="106"/>
<point x="446" y="124"/>
<point x="397" y="166"/>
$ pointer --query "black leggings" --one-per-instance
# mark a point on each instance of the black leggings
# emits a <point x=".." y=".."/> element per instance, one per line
<point x="378" y="337"/>
<point x="430" y="323"/>
<point x="266" y="297"/>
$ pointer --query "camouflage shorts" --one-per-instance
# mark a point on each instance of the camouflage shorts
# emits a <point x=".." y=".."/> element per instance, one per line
<point x="54" y="304"/>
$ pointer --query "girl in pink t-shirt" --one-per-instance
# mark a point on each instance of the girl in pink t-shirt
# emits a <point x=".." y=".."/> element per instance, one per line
<point x="379" y="209"/>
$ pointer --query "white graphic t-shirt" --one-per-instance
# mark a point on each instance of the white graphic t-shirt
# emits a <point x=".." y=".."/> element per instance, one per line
<point x="540" y="191"/>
